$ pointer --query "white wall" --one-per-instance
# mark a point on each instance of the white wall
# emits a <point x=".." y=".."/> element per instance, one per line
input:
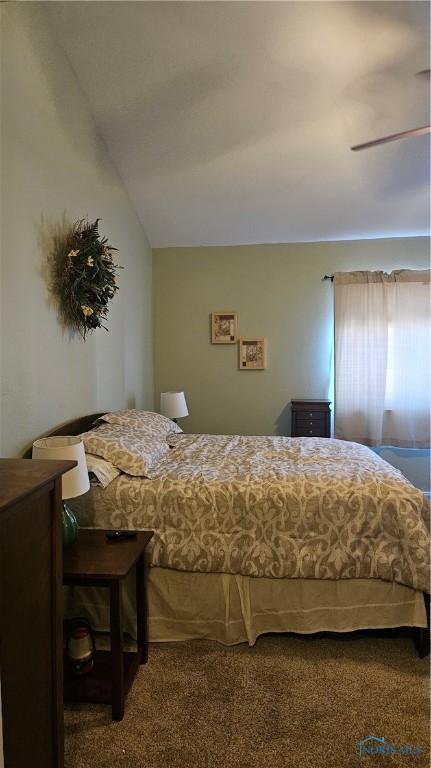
<point x="55" y="166"/>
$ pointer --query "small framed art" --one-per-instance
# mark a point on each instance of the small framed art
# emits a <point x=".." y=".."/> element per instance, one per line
<point x="224" y="327"/>
<point x="252" y="354"/>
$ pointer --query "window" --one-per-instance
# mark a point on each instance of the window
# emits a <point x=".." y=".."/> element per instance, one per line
<point x="382" y="357"/>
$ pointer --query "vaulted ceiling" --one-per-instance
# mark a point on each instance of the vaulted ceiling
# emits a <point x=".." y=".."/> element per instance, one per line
<point x="231" y="122"/>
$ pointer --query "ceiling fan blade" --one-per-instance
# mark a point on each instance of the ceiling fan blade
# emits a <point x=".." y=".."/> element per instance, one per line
<point x="393" y="137"/>
<point x="424" y="73"/>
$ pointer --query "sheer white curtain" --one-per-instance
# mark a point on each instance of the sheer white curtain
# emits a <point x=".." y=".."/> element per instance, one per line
<point x="382" y="357"/>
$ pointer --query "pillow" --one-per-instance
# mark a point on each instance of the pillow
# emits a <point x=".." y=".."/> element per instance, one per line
<point x="101" y="472"/>
<point x="127" y="448"/>
<point x="175" y="439"/>
<point x="147" y="421"/>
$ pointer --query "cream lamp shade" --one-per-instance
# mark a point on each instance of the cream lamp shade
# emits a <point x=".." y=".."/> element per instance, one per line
<point x="173" y="405"/>
<point x="76" y="481"/>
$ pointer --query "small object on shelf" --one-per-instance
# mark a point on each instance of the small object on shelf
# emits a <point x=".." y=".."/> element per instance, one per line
<point x="120" y="535"/>
<point x="311" y="418"/>
<point x="80" y="647"/>
<point x="70" y="527"/>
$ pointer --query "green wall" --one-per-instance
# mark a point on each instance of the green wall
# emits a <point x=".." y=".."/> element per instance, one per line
<point x="278" y="293"/>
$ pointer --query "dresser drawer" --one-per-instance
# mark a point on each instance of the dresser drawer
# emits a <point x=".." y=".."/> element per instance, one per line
<point x="309" y="414"/>
<point x="317" y="420"/>
<point x="310" y="428"/>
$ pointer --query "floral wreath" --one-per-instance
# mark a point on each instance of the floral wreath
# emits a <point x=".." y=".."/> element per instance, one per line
<point x="84" y="277"/>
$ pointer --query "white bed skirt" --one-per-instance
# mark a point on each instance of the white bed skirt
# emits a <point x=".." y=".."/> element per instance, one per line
<point x="236" y="609"/>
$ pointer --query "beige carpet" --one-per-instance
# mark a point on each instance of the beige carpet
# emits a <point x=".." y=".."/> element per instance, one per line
<point x="289" y="701"/>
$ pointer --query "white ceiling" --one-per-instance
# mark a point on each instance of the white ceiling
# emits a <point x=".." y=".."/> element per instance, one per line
<point x="231" y="122"/>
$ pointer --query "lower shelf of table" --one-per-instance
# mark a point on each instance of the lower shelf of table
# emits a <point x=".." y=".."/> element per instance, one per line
<point x="96" y="687"/>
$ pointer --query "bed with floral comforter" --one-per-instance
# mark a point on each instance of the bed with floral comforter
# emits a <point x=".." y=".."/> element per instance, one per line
<point x="275" y="507"/>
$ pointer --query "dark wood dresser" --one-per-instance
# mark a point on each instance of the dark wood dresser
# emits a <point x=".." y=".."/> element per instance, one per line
<point x="311" y="418"/>
<point x="31" y="647"/>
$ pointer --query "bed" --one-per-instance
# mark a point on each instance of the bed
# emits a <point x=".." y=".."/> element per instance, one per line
<point x="260" y="534"/>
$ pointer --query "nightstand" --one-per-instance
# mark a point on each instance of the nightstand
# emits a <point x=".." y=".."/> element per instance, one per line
<point x="97" y="561"/>
<point x="311" y="418"/>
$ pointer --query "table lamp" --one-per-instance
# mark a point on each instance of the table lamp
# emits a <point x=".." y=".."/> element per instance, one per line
<point x="173" y="405"/>
<point x="74" y="483"/>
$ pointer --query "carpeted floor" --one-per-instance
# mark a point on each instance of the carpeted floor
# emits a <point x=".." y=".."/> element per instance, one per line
<point x="290" y="701"/>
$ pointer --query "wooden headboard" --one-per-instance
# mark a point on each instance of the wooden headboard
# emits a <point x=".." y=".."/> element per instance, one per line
<point x="74" y="427"/>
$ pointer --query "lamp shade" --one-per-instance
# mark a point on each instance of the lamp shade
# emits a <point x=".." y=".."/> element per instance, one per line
<point x="173" y="405"/>
<point x="76" y="481"/>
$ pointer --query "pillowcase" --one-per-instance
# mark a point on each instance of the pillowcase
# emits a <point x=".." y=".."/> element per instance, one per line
<point x="148" y="421"/>
<point x="101" y="472"/>
<point x="126" y="447"/>
<point x="175" y="439"/>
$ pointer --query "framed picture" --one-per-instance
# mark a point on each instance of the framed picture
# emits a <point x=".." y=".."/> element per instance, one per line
<point x="224" y="327"/>
<point x="252" y="354"/>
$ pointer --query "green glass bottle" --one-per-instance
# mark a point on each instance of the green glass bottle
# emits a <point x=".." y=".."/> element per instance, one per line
<point x="70" y="527"/>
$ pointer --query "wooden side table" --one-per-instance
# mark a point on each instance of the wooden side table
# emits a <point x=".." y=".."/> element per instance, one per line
<point x="97" y="561"/>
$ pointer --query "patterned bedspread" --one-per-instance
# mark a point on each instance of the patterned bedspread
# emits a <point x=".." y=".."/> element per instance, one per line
<point x="275" y="507"/>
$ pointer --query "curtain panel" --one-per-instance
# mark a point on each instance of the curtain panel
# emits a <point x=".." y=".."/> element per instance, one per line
<point x="382" y="357"/>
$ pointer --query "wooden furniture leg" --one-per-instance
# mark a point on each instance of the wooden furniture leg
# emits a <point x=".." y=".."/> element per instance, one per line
<point x="421" y="635"/>
<point x="117" y="660"/>
<point x="141" y="611"/>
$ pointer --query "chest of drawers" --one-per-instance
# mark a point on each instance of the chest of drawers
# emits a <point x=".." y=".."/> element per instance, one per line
<point x="311" y="418"/>
<point x="31" y="646"/>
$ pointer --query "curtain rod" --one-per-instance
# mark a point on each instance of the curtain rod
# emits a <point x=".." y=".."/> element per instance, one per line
<point x="328" y="277"/>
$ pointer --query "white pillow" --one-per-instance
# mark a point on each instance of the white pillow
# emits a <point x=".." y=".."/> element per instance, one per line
<point x="127" y="447"/>
<point x="101" y="472"/>
<point x="147" y="421"/>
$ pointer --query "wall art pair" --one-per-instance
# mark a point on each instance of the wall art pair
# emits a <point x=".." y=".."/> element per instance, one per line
<point x="252" y="350"/>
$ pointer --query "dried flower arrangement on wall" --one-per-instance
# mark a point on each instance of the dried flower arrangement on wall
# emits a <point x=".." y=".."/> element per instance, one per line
<point x="84" y="277"/>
